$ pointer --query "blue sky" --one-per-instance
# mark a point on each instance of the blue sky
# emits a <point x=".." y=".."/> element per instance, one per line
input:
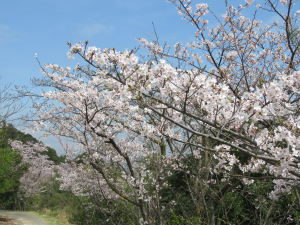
<point x="44" y="27"/>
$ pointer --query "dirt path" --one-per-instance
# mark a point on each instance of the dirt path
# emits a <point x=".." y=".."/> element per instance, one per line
<point x="22" y="218"/>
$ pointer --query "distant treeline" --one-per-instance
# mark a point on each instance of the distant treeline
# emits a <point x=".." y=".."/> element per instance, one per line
<point x="9" y="132"/>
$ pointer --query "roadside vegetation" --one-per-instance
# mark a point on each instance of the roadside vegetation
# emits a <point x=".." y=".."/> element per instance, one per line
<point x="241" y="205"/>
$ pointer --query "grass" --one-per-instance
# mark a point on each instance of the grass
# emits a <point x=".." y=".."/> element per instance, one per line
<point x="52" y="218"/>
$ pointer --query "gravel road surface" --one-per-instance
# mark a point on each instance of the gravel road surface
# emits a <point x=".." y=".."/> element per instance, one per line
<point x="23" y="218"/>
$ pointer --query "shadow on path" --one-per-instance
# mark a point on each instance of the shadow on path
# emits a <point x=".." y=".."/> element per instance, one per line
<point x="22" y="218"/>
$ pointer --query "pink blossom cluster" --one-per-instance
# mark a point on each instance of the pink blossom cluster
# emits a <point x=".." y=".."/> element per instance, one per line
<point x="125" y="111"/>
<point x="40" y="169"/>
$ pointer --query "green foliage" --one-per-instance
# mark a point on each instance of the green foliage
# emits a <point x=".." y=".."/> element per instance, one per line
<point x="177" y="185"/>
<point x="179" y="220"/>
<point x="242" y="204"/>
<point x="10" y="169"/>
<point x="53" y="156"/>
<point x="10" y="172"/>
<point x="80" y="217"/>
<point x="123" y="213"/>
<point x="9" y="132"/>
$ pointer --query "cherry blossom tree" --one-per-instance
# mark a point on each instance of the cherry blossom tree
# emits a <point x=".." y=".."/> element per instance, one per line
<point x="236" y="116"/>
<point x="40" y="170"/>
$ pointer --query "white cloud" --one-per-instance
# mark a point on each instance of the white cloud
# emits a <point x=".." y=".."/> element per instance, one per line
<point x="7" y="34"/>
<point x="92" y="29"/>
<point x="134" y="5"/>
